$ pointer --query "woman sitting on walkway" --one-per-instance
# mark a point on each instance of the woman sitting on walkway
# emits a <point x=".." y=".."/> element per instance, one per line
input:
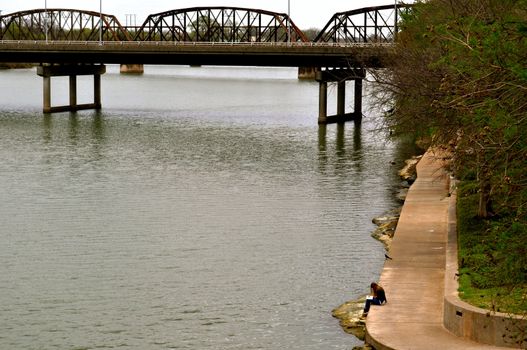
<point x="378" y="298"/>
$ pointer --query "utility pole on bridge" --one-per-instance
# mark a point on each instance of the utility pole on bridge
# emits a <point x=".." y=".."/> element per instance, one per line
<point x="289" y="21"/>
<point x="46" y="19"/>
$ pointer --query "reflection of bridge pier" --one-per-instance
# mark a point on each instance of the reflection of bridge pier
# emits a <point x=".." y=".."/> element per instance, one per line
<point x="71" y="71"/>
<point x="340" y="76"/>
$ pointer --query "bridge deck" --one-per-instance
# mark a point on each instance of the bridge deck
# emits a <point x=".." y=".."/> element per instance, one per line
<point x="230" y="54"/>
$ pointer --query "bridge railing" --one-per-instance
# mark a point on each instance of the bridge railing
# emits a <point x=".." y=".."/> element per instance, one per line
<point x="51" y="43"/>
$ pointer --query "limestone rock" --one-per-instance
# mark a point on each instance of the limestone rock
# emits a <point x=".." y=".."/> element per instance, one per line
<point x="384" y="219"/>
<point x="363" y="347"/>
<point x="402" y="193"/>
<point x="408" y="172"/>
<point x="349" y="315"/>
<point x="385" y="230"/>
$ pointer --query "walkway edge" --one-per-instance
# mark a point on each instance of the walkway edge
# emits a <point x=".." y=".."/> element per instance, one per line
<point x="414" y="317"/>
<point x="468" y="321"/>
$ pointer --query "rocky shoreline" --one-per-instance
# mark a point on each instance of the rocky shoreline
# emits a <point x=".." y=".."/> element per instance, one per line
<point x="387" y="223"/>
<point x="349" y="313"/>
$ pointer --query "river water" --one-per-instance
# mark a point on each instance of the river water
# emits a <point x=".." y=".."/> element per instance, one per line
<point x="202" y="208"/>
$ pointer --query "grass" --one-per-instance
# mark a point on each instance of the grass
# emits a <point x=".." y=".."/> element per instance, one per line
<point x="501" y="299"/>
<point x="492" y="262"/>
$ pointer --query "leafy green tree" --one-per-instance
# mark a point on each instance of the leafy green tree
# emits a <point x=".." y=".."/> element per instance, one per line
<point x="458" y="79"/>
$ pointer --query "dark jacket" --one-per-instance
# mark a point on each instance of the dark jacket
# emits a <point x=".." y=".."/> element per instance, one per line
<point x="379" y="294"/>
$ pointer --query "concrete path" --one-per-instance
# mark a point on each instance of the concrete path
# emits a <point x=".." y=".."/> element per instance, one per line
<point x="414" y="279"/>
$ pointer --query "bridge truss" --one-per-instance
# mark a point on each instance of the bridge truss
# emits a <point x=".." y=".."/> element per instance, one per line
<point x="366" y="25"/>
<point x="219" y="24"/>
<point x="201" y="24"/>
<point x="217" y="35"/>
<point x="61" y="24"/>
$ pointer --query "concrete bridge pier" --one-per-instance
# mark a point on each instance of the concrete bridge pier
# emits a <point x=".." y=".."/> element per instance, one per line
<point x="129" y="68"/>
<point x="72" y="71"/>
<point x="340" y="76"/>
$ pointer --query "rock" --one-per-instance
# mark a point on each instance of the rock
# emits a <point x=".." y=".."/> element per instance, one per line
<point x="384" y="219"/>
<point x="402" y="193"/>
<point x="349" y="315"/>
<point x="385" y="239"/>
<point x="363" y="347"/>
<point x="408" y="172"/>
<point x="385" y="230"/>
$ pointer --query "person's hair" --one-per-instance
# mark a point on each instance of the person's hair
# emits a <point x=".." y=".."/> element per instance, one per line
<point x="374" y="285"/>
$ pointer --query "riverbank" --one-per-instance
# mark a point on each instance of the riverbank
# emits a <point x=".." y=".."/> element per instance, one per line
<point x="349" y="314"/>
<point x="415" y="279"/>
<point x="423" y="268"/>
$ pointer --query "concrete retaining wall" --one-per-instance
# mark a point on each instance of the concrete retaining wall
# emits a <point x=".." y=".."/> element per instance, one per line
<point x="467" y="321"/>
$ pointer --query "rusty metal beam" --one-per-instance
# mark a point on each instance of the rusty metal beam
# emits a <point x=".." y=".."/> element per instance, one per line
<point x="369" y="24"/>
<point x="219" y="24"/>
<point x="60" y="24"/>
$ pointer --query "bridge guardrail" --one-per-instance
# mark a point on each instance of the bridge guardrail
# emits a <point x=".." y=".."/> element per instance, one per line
<point x="203" y="44"/>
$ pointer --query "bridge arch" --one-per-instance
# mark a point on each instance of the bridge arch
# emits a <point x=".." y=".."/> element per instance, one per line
<point x="61" y="24"/>
<point x="219" y="24"/>
<point x="377" y="24"/>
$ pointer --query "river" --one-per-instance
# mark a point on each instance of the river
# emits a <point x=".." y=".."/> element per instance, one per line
<point x="202" y="208"/>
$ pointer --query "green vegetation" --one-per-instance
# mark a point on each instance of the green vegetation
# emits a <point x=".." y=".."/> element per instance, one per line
<point x="492" y="257"/>
<point x="458" y="79"/>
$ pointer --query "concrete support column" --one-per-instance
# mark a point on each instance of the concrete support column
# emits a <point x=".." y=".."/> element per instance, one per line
<point x="341" y="98"/>
<point x="322" y="102"/>
<point x="358" y="100"/>
<point x="71" y="71"/>
<point x="97" y="91"/>
<point x="47" y="94"/>
<point x="307" y="73"/>
<point x="132" y="68"/>
<point x="73" y="91"/>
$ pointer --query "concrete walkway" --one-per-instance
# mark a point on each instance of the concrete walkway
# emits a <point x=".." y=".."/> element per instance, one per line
<point x="414" y="279"/>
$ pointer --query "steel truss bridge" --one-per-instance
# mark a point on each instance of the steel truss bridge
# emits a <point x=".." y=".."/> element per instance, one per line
<point x="351" y="40"/>
<point x="200" y="24"/>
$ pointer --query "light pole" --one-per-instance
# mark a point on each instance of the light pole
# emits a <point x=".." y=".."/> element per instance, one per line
<point x="395" y="21"/>
<point x="100" y="18"/>
<point x="289" y="21"/>
<point x="46" y="19"/>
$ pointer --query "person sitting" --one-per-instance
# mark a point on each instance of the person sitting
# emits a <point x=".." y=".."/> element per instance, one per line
<point x="378" y="297"/>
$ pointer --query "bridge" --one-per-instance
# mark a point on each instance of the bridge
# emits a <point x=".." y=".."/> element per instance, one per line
<point x="70" y="42"/>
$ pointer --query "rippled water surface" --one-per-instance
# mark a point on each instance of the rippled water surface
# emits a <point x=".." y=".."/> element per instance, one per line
<point x="202" y="208"/>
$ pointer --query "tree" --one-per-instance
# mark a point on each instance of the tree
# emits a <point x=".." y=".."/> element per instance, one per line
<point x="311" y="33"/>
<point x="459" y="77"/>
<point x="205" y="29"/>
<point x="458" y="80"/>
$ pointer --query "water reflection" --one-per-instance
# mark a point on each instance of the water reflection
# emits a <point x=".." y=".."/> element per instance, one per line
<point x="73" y="128"/>
<point x="72" y="132"/>
<point x="357" y="155"/>
<point x="346" y="153"/>
<point x="47" y="126"/>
